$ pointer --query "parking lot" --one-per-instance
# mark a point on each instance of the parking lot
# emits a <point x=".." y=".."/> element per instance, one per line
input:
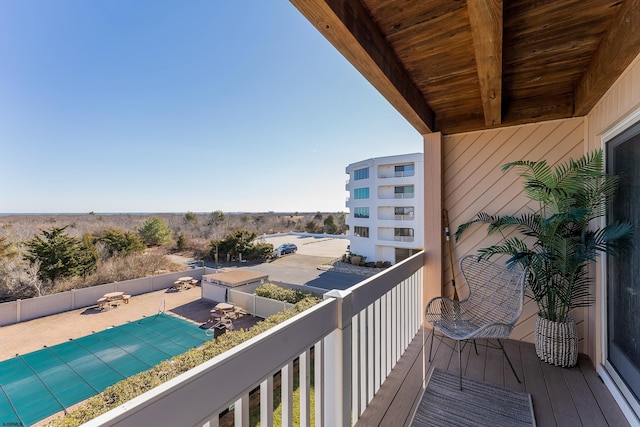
<point x="301" y="268"/>
<point x="315" y="246"/>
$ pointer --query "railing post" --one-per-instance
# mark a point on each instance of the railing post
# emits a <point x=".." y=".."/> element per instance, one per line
<point x="286" y="387"/>
<point x="241" y="412"/>
<point x="304" y="367"/>
<point x="266" y="402"/>
<point x="338" y="364"/>
<point x="318" y="372"/>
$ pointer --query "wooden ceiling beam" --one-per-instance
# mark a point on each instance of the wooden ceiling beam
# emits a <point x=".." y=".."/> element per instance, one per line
<point x="485" y="17"/>
<point x="619" y="46"/>
<point x="347" y="25"/>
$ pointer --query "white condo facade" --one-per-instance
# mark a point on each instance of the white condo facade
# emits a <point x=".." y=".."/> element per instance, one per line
<point x="385" y="202"/>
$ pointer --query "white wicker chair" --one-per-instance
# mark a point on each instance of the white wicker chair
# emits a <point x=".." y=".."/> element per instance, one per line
<point x="489" y="307"/>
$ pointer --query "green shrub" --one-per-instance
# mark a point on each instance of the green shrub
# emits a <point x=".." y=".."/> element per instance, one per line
<point x="131" y="387"/>
<point x="155" y="232"/>
<point x="259" y="251"/>
<point x="121" y="242"/>
<point x="273" y="291"/>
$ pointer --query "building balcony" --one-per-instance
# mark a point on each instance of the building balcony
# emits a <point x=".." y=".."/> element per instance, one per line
<point x="396" y="234"/>
<point x="397" y="170"/>
<point x="364" y="349"/>
<point x="396" y="213"/>
<point x="560" y="396"/>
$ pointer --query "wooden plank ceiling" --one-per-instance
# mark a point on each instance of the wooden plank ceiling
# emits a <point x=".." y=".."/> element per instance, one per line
<point x="457" y="66"/>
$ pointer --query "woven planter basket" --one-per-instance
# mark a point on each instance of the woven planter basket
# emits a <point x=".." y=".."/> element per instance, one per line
<point x="557" y="342"/>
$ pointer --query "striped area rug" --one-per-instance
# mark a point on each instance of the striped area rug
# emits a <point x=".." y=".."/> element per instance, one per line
<point x="478" y="404"/>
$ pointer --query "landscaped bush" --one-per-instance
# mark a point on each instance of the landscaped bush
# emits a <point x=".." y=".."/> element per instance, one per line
<point x="273" y="291"/>
<point x="131" y="387"/>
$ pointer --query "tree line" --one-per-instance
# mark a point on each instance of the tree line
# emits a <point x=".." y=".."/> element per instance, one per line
<point x="60" y="257"/>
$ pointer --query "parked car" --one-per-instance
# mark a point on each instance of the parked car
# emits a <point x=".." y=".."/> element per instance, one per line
<point x="286" y="248"/>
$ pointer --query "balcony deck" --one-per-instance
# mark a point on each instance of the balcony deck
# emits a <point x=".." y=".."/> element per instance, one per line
<point x="561" y="396"/>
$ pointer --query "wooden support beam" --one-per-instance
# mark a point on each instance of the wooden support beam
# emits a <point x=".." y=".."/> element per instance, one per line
<point x="433" y="222"/>
<point x="485" y="17"/>
<point x="347" y="25"/>
<point x="617" y="49"/>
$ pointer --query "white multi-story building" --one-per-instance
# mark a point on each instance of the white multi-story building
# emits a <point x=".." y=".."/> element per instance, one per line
<point x="385" y="207"/>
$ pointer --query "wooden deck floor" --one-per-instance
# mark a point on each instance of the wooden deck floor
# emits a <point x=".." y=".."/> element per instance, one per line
<point x="561" y="396"/>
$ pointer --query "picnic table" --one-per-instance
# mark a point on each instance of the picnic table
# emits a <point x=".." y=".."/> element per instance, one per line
<point x="184" y="283"/>
<point x="112" y="299"/>
<point x="224" y="306"/>
<point x="221" y="311"/>
<point x="113" y="295"/>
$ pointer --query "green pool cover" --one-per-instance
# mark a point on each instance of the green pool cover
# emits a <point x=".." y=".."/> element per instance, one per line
<point x="39" y="384"/>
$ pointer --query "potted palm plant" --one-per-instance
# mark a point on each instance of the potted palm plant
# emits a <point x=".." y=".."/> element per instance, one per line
<point x="557" y="243"/>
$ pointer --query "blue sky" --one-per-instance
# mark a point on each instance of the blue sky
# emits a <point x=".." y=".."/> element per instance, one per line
<point x="175" y="106"/>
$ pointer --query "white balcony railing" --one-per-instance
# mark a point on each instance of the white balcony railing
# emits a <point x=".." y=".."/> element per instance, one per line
<point x="404" y="195"/>
<point x="356" y="337"/>
<point x="396" y="174"/>
<point x="403" y="217"/>
<point x="401" y="174"/>
<point x="403" y="238"/>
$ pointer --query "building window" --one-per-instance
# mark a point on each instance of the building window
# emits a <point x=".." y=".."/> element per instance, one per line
<point x="361" y="231"/>
<point x="403" y="212"/>
<point x="404" y="192"/>
<point x="361" y="193"/>
<point x="361" y="212"/>
<point x="361" y="174"/>
<point x="404" y="170"/>
<point x="403" y="234"/>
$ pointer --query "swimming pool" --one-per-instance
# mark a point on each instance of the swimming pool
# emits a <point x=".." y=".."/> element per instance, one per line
<point x="39" y="384"/>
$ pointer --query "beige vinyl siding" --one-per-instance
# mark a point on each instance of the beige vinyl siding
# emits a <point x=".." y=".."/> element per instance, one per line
<point x="620" y="101"/>
<point x="473" y="182"/>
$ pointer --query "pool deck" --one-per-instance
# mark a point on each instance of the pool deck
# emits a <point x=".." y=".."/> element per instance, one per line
<point x="25" y="337"/>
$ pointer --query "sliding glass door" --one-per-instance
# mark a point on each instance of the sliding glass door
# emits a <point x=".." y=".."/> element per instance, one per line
<point x="623" y="274"/>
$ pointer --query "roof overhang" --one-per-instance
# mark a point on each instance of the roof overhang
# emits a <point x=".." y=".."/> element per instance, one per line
<point x="458" y="66"/>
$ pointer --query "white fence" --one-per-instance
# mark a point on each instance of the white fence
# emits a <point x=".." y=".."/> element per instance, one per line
<point x="33" y="308"/>
<point x="255" y="305"/>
